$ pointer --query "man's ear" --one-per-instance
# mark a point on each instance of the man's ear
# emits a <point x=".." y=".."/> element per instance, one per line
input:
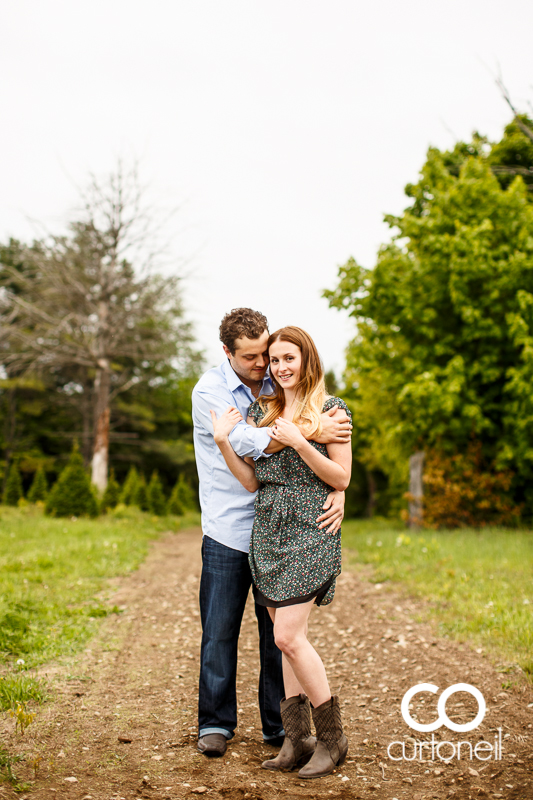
<point x="227" y="350"/>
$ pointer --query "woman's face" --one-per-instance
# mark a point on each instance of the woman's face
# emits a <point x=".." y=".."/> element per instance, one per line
<point x="285" y="363"/>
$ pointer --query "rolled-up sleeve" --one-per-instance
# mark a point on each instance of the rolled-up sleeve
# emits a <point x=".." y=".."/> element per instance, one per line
<point x="249" y="441"/>
<point x="245" y="439"/>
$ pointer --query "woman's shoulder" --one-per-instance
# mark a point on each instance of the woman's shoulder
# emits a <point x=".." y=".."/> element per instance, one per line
<point x="336" y="401"/>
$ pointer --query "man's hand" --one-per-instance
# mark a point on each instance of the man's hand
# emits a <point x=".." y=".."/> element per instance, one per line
<point x="334" y="512"/>
<point x="336" y="427"/>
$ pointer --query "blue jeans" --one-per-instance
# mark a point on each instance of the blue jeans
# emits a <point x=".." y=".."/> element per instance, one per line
<point x="224" y="588"/>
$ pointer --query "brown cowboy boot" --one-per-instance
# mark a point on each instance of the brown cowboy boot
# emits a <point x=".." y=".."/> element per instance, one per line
<point x="332" y="744"/>
<point x="299" y="745"/>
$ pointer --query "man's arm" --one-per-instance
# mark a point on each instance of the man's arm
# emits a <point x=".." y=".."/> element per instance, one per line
<point x="245" y="440"/>
<point x="336" y="427"/>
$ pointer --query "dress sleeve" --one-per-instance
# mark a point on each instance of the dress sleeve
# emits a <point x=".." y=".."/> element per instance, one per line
<point x="336" y="401"/>
<point x="256" y="412"/>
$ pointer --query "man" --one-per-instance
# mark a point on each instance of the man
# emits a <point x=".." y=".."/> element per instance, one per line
<point x="227" y="519"/>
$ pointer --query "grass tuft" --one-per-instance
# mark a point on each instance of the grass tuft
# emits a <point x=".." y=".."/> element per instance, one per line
<point x="21" y="689"/>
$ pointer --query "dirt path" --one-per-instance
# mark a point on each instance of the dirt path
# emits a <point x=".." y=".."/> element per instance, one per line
<point x="123" y="724"/>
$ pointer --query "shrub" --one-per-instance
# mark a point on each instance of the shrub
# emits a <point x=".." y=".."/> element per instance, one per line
<point x="141" y="495"/>
<point x="13" y="488"/>
<point x="460" y="490"/>
<point x="156" y="499"/>
<point x="72" y="494"/>
<point x="182" y="498"/>
<point x="129" y="490"/>
<point x="39" y="487"/>
<point x="112" y="493"/>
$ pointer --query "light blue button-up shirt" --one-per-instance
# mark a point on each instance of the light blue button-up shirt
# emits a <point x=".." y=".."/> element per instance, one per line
<point x="227" y="507"/>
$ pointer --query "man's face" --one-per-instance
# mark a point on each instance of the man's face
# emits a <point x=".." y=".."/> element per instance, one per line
<point x="250" y="360"/>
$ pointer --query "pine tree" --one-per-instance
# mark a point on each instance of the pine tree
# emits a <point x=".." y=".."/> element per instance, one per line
<point x="129" y="490"/>
<point x="156" y="499"/>
<point x="141" y="495"/>
<point x="39" y="487"/>
<point x="72" y="494"/>
<point x="111" y="494"/>
<point x="182" y="498"/>
<point x="13" y="488"/>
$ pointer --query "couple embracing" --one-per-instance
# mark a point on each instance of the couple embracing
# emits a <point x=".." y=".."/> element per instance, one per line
<point x="274" y="457"/>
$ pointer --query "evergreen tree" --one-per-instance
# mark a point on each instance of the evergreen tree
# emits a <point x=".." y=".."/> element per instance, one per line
<point x="72" y="494"/>
<point x="39" y="487"/>
<point x="129" y="490"/>
<point x="156" y="499"/>
<point x="13" y="488"/>
<point x="182" y="498"/>
<point x="141" y="495"/>
<point x="111" y="494"/>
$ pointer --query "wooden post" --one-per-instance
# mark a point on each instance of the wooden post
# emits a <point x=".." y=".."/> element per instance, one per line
<point x="416" y="489"/>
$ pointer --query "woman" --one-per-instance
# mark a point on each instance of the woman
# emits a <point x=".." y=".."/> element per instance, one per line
<point x="293" y="563"/>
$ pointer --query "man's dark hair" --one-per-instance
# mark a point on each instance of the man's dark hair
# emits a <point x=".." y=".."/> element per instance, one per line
<point x="241" y="322"/>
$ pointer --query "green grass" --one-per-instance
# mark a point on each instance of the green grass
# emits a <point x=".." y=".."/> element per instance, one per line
<point x="54" y="573"/>
<point x="21" y="689"/>
<point x="479" y="582"/>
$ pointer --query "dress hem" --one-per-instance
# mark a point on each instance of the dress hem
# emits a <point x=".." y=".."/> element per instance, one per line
<point x="317" y="594"/>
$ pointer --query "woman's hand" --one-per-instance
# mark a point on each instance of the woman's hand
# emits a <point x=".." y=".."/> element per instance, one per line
<point x="223" y="426"/>
<point x="286" y="433"/>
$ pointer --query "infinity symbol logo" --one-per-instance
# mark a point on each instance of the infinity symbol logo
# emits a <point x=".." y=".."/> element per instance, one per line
<point x="441" y="707"/>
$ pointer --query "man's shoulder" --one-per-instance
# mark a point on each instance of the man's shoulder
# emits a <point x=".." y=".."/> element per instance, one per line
<point x="212" y="379"/>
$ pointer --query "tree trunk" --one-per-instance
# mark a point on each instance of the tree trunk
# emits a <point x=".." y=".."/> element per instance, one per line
<point x="87" y="420"/>
<point x="371" y="503"/>
<point x="416" y="489"/>
<point x="101" y="427"/>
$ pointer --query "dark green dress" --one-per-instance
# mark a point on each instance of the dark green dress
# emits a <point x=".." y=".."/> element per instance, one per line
<point x="291" y="560"/>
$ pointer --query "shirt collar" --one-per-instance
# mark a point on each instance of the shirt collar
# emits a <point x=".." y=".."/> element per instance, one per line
<point x="233" y="380"/>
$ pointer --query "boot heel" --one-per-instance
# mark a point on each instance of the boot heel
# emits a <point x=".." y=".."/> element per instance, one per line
<point x="344" y="751"/>
<point x="342" y="759"/>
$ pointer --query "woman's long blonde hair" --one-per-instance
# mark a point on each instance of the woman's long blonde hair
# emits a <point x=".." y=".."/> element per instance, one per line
<point x="310" y="390"/>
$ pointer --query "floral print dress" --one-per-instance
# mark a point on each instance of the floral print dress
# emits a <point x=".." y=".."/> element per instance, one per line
<point x="291" y="560"/>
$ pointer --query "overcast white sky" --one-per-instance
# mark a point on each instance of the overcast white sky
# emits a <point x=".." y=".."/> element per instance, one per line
<point x="285" y="130"/>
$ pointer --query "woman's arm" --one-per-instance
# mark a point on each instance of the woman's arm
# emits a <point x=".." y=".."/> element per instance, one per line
<point x="222" y="428"/>
<point x="335" y="470"/>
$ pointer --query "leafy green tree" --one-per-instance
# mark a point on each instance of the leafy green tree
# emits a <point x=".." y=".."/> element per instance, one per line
<point x="445" y="322"/>
<point x="156" y="499"/>
<point x="141" y="494"/>
<point x="13" y="489"/>
<point x="182" y="498"/>
<point x="72" y="494"/>
<point x="39" y="487"/>
<point x="513" y="155"/>
<point x="112" y="493"/>
<point x="129" y="489"/>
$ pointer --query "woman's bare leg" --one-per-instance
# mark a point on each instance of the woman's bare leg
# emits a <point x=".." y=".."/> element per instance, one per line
<point x="303" y="670"/>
